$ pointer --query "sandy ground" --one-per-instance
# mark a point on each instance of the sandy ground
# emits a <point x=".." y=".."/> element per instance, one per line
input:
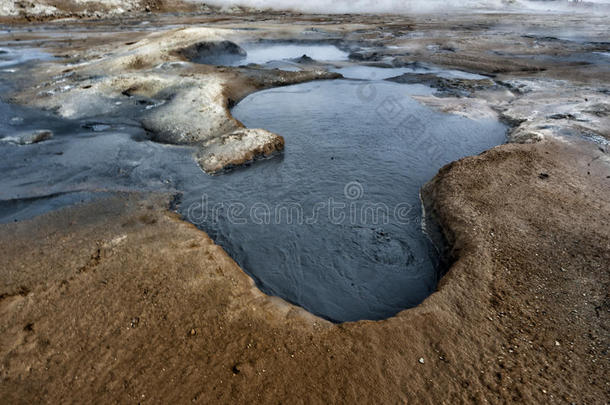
<point x="120" y="301"/>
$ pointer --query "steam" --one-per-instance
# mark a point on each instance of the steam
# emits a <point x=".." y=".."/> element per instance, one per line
<point x="409" y="6"/>
<point x="352" y="6"/>
<point x="403" y="6"/>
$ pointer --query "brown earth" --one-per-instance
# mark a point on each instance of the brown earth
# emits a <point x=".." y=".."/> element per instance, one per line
<point x="121" y="301"/>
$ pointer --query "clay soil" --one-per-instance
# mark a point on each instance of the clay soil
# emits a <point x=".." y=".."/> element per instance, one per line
<point x="120" y="301"/>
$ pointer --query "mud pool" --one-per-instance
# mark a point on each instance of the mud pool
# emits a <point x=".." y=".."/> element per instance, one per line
<point x="332" y="224"/>
<point x="280" y="53"/>
<point x="286" y="56"/>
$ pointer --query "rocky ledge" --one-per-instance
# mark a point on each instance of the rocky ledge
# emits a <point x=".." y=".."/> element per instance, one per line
<point x="154" y="81"/>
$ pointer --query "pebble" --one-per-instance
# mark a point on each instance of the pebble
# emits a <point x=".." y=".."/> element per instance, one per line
<point x="421" y="360"/>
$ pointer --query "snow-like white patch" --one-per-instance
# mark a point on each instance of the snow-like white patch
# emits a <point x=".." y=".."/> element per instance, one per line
<point x="10" y="8"/>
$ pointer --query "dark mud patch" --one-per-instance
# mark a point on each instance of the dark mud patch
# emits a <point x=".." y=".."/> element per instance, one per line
<point x="446" y="86"/>
<point x="14" y="210"/>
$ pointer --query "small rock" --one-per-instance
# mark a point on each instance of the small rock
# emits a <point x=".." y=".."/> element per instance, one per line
<point x="557" y="343"/>
<point x="421" y="360"/>
<point x="304" y="60"/>
<point x="29" y="137"/>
